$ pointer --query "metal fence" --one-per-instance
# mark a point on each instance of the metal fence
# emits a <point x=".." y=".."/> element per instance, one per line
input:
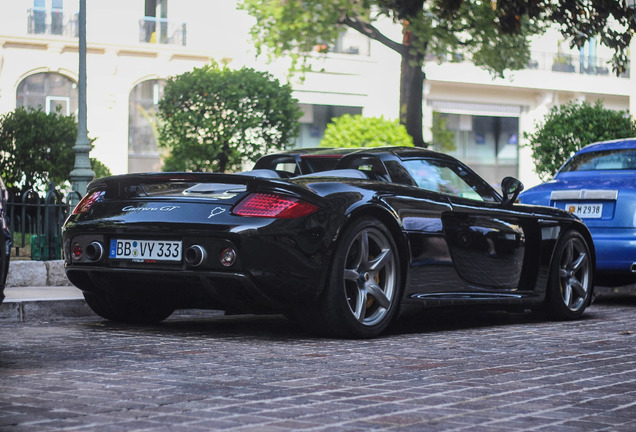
<point x="36" y="222"/>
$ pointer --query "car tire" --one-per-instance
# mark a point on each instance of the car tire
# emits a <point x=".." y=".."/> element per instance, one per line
<point x="129" y="310"/>
<point x="570" y="283"/>
<point x="362" y="290"/>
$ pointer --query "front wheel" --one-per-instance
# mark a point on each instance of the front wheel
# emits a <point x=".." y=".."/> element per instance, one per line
<point x="130" y="310"/>
<point x="570" y="283"/>
<point x="363" y="284"/>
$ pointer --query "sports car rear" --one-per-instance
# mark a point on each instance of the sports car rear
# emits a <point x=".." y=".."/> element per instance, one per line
<point x="189" y="232"/>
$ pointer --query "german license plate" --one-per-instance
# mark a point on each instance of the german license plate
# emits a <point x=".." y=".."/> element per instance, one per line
<point x="588" y="211"/>
<point x="145" y="250"/>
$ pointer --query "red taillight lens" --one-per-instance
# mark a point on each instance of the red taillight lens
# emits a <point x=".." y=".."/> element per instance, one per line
<point x="273" y="206"/>
<point x="86" y="203"/>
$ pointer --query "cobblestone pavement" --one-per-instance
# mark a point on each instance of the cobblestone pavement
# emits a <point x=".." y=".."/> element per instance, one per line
<point x="443" y="371"/>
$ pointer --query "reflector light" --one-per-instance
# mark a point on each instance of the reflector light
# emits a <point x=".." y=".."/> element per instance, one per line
<point x="77" y="250"/>
<point x="87" y="202"/>
<point x="228" y="257"/>
<point x="273" y="206"/>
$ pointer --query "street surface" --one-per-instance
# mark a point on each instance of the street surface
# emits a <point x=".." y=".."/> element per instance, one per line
<point x="447" y="371"/>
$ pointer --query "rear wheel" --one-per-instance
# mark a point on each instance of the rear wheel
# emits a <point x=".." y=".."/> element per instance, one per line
<point x="361" y="295"/>
<point x="131" y="310"/>
<point x="570" y="283"/>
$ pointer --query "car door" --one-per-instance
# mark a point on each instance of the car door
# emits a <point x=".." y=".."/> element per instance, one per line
<point x="488" y="242"/>
<point x="491" y="246"/>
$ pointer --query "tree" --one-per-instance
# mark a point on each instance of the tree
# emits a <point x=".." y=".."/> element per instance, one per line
<point x="37" y="148"/>
<point x="359" y="131"/>
<point x="567" y="128"/>
<point x="492" y="34"/>
<point x="215" y="118"/>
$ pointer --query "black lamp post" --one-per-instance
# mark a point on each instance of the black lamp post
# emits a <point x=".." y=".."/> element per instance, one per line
<point x="82" y="173"/>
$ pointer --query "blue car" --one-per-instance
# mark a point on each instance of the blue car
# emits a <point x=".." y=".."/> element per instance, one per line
<point x="598" y="184"/>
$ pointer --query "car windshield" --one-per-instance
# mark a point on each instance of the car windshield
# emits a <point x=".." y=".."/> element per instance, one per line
<point x="602" y="160"/>
<point x="447" y="178"/>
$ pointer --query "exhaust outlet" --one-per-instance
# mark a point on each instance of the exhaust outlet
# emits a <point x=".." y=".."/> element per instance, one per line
<point x="94" y="251"/>
<point x="633" y="268"/>
<point x="195" y="255"/>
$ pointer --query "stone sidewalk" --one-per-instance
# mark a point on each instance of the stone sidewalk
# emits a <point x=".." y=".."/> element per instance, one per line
<point x="445" y="371"/>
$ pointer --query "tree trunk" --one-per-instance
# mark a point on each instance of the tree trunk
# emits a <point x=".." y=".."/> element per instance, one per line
<point x="411" y="77"/>
<point x="412" y="91"/>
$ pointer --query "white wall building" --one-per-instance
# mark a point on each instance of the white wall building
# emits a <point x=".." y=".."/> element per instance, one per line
<point x="133" y="46"/>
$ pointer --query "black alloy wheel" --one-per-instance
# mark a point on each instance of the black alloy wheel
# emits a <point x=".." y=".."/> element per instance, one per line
<point x="570" y="284"/>
<point x="363" y="286"/>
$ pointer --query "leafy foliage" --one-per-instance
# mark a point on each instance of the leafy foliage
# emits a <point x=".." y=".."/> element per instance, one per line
<point x="216" y="119"/>
<point x="567" y="128"/>
<point x="359" y="131"/>
<point x="296" y="27"/>
<point x="37" y="148"/>
<point x="493" y="35"/>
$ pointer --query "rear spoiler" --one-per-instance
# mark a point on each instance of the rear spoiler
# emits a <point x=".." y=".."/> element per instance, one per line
<point x="121" y="186"/>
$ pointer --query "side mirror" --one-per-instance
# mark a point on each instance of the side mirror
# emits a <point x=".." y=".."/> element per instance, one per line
<point x="511" y="188"/>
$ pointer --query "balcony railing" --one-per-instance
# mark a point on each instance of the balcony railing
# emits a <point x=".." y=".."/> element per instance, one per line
<point x="556" y="62"/>
<point x="162" y="31"/>
<point x="574" y="64"/>
<point x="52" y="22"/>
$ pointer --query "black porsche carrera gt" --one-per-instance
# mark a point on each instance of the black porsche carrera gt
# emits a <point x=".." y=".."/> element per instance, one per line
<point x="344" y="241"/>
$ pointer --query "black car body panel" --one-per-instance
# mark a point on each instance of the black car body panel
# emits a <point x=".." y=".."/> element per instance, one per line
<point x="452" y="249"/>
<point x="5" y="239"/>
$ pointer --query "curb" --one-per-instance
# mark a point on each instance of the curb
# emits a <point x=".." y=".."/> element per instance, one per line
<point x="36" y="273"/>
<point x="43" y="310"/>
<point x="44" y="274"/>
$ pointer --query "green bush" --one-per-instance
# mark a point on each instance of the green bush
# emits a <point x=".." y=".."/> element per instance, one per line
<point x="358" y="131"/>
<point x="37" y="148"/>
<point x="567" y="128"/>
<point x="217" y="119"/>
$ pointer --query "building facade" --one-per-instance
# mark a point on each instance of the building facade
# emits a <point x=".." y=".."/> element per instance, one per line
<point x="134" y="46"/>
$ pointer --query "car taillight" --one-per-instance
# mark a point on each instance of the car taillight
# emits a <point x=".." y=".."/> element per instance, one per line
<point x="87" y="202"/>
<point x="273" y="206"/>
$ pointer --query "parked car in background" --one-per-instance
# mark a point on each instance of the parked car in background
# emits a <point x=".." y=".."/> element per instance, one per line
<point x="381" y="232"/>
<point x="598" y="184"/>
<point x="5" y="239"/>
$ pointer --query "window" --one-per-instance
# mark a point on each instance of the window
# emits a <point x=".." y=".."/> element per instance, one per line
<point x="155" y="21"/>
<point x="47" y="17"/>
<point x="143" y="154"/>
<point x="154" y="27"/>
<point x="446" y="178"/>
<point x="48" y="91"/>
<point x="55" y="103"/>
<point x="602" y="160"/>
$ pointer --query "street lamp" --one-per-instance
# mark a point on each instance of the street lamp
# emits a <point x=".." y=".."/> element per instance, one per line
<point x="82" y="173"/>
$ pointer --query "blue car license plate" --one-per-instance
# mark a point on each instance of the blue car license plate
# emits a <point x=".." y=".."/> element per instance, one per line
<point x="585" y="211"/>
<point x="159" y="250"/>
